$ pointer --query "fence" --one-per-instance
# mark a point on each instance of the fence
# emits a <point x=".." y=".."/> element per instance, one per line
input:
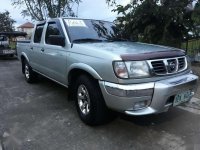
<point x="192" y="48"/>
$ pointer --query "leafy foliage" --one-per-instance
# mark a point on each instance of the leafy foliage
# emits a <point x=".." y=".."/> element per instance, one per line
<point x="196" y="15"/>
<point x="43" y="9"/>
<point x="6" y="22"/>
<point x="166" y="22"/>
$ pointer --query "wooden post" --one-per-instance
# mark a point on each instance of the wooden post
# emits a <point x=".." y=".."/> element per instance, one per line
<point x="186" y="46"/>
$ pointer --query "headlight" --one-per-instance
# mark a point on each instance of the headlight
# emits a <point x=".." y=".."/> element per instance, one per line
<point x="137" y="69"/>
<point x="132" y="69"/>
<point x="120" y="69"/>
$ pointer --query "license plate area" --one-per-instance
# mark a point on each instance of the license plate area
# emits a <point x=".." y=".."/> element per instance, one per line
<point x="182" y="98"/>
<point x="8" y="51"/>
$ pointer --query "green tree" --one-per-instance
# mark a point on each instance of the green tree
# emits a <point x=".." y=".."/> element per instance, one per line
<point x="196" y="18"/>
<point x="6" y="22"/>
<point x="166" y="22"/>
<point x="43" y="9"/>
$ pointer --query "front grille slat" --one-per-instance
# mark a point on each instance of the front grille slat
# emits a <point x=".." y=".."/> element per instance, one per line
<point x="181" y="63"/>
<point x="158" y="67"/>
<point x="168" y="66"/>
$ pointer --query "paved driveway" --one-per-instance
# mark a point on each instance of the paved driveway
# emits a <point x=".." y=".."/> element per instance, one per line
<point x="40" y="117"/>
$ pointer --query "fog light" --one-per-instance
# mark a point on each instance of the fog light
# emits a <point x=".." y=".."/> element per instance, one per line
<point x="141" y="104"/>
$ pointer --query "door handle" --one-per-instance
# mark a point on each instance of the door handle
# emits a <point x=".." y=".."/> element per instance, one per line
<point x="42" y="50"/>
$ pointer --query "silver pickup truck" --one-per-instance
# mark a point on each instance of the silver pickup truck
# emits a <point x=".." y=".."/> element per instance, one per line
<point x="104" y="72"/>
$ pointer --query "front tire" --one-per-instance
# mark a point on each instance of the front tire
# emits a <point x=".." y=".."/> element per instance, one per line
<point x="29" y="74"/>
<point x="89" y="101"/>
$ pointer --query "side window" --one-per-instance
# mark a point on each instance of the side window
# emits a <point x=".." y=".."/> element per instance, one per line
<point x="52" y="30"/>
<point x="38" y="33"/>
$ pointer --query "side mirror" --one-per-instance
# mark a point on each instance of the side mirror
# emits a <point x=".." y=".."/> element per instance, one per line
<point x="56" y="40"/>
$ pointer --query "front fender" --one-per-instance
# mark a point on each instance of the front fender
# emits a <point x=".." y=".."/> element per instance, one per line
<point x="86" y="68"/>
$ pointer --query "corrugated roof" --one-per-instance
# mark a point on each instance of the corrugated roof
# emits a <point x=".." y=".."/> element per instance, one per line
<point x="14" y="33"/>
<point x="26" y="25"/>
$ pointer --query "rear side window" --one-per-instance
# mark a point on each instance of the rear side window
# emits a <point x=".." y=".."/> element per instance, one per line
<point x="52" y="29"/>
<point x="38" y="33"/>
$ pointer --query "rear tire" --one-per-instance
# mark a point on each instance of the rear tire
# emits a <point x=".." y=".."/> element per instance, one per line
<point x="29" y="74"/>
<point x="89" y="101"/>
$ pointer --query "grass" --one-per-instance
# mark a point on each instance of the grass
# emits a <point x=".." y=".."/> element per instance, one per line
<point x="12" y="45"/>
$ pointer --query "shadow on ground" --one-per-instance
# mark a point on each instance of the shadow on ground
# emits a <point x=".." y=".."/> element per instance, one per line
<point x="8" y="58"/>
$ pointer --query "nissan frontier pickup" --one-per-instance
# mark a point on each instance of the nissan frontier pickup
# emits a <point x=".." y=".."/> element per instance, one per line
<point x="104" y="72"/>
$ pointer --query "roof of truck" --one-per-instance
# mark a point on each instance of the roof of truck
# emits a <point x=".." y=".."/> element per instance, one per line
<point x="50" y="19"/>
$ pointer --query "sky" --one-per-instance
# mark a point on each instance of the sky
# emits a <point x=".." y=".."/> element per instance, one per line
<point x="92" y="9"/>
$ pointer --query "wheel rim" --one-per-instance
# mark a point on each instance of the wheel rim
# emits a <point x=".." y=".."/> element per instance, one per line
<point x="27" y="73"/>
<point x="83" y="99"/>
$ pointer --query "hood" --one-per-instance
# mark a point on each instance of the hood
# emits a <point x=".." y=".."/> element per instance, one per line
<point x="128" y="47"/>
<point x="135" y="50"/>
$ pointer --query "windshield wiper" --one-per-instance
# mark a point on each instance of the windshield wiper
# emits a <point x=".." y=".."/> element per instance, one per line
<point x="87" y="40"/>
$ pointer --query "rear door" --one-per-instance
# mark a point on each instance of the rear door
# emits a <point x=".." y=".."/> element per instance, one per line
<point x="36" y="47"/>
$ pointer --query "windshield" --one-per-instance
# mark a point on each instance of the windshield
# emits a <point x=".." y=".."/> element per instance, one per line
<point x="91" y="30"/>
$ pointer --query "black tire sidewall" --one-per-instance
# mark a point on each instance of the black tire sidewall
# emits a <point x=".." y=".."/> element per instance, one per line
<point x="97" y="106"/>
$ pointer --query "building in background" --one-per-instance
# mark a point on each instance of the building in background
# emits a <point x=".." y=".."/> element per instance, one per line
<point x="26" y="27"/>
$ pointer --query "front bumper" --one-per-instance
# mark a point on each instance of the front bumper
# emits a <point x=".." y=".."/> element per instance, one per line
<point x="159" y="100"/>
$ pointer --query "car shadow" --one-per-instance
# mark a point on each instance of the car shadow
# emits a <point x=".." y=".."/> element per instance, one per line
<point x="8" y="58"/>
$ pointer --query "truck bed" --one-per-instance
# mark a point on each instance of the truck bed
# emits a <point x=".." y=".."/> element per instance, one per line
<point x="24" y="41"/>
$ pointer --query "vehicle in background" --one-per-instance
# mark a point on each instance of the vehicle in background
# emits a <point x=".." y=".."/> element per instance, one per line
<point x="105" y="72"/>
<point x="4" y="42"/>
<point x="8" y="43"/>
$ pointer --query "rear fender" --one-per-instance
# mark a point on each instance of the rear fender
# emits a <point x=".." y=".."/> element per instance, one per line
<point x="25" y="56"/>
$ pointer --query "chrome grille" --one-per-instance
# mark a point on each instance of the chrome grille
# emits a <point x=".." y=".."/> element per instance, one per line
<point x="159" y="67"/>
<point x="168" y="66"/>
